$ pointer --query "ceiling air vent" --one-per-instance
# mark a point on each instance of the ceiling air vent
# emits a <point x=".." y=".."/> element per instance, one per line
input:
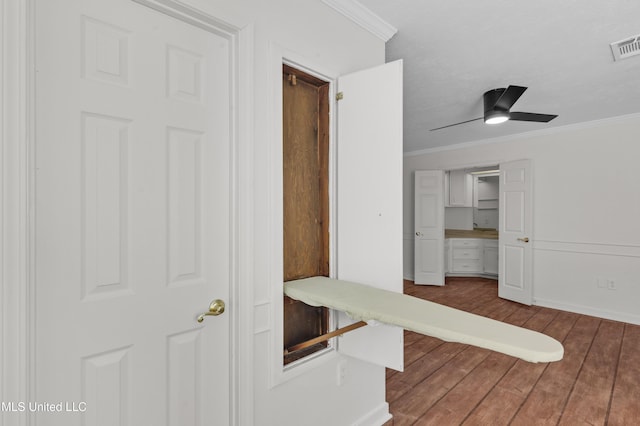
<point x="626" y="48"/>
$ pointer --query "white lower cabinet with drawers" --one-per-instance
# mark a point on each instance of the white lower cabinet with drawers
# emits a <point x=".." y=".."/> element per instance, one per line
<point x="490" y="254"/>
<point x="471" y="257"/>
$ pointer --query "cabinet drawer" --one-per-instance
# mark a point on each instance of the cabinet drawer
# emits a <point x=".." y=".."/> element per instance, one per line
<point x="461" y="243"/>
<point x="466" y="253"/>
<point x="471" y="265"/>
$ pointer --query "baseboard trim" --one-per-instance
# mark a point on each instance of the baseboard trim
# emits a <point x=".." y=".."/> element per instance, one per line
<point x="378" y="416"/>
<point x="587" y="310"/>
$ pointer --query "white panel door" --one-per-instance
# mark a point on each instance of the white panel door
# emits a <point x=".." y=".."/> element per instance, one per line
<point x="369" y="210"/>
<point x="515" y="259"/>
<point x="132" y="216"/>
<point x="429" y="227"/>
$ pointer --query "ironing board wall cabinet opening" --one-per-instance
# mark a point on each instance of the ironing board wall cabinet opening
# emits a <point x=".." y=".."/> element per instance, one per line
<point x="359" y="169"/>
<point x="305" y="157"/>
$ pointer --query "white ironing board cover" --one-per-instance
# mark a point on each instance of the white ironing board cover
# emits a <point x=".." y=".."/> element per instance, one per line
<point x="366" y="303"/>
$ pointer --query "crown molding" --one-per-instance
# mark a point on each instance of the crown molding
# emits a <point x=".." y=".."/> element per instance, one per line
<point x="527" y="135"/>
<point x="364" y="17"/>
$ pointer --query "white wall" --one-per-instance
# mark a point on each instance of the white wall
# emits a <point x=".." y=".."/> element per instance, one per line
<point x="311" y="34"/>
<point x="586" y="211"/>
<point x="458" y="217"/>
<point x="485" y="218"/>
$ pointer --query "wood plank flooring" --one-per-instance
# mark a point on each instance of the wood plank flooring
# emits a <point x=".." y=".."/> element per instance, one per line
<point x="597" y="382"/>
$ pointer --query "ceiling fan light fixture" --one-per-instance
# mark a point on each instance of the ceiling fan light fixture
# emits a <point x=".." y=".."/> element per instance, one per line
<point x="496" y="117"/>
<point x="497" y="108"/>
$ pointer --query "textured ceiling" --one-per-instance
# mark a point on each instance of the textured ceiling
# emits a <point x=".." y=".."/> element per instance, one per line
<point x="454" y="51"/>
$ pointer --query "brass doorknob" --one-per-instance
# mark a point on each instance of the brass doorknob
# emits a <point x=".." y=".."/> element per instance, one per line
<point x="524" y="240"/>
<point x="215" y="308"/>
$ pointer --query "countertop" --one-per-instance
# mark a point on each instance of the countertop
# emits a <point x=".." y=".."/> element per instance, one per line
<point x="490" y="234"/>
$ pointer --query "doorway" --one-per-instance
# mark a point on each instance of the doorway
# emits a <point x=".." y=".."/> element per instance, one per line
<point x="514" y="201"/>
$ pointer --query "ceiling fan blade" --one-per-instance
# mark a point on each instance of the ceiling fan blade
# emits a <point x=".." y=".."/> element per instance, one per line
<point x="531" y="116"/>
<point x="509" y="97"/>
<point x="451" y="125"/>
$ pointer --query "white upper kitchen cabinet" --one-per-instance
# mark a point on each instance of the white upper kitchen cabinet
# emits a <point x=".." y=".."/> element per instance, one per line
<point x="460" y="189"/>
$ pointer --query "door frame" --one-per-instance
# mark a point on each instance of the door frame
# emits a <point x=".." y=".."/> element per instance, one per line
<point x="17" y="169"/>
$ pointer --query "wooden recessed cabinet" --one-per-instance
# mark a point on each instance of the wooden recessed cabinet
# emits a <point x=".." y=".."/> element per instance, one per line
<point x="305" y="201"/>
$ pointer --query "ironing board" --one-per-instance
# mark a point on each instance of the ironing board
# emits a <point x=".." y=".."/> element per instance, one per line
<point x="366" y="303"/>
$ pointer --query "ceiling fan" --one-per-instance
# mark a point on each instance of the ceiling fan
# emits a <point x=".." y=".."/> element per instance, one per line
<point x="497" y="105"/>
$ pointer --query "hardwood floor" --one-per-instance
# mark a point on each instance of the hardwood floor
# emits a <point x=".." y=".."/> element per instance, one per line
<point x="597" y="382"/>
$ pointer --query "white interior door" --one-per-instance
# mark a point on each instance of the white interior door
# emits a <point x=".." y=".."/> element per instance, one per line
<point x="132" y="216"/>
<point x="515" y="264"/>
<point x="429" y="227"/>
<point x="369" y="205"/>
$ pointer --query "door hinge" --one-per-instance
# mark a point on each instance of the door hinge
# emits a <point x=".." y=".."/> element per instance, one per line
<point x="339" y="96"/>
